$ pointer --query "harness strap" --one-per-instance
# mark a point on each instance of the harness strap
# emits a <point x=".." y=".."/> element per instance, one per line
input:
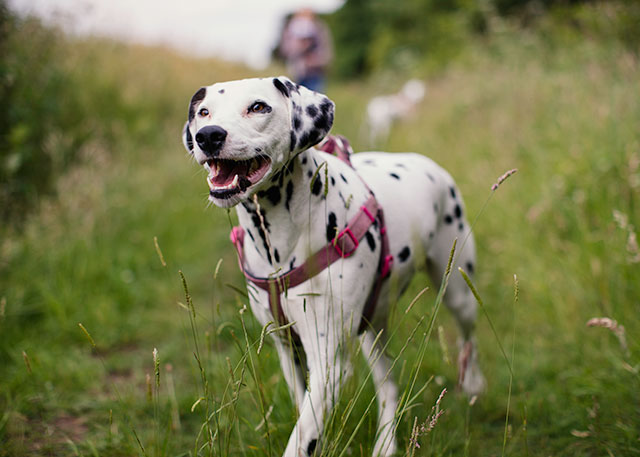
<point x="341" y="247"/>
<point x="338" y="146"/>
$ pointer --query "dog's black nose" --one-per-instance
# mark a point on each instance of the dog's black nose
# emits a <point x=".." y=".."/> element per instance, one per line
<point x="210" y="139"/>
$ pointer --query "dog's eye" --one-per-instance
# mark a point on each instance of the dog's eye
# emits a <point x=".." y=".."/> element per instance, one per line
<point x="203" y="112"/>
<point x="259" y="107"/>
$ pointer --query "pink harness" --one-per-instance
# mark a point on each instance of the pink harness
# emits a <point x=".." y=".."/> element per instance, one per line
<point x="341" y="247"/>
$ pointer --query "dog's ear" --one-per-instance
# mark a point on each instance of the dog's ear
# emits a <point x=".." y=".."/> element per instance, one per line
<point x="187" y="139"/>
<point x="311" y="114"/>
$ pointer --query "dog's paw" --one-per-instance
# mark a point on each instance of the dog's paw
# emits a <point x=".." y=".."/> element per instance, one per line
<point x="470" y="377"/>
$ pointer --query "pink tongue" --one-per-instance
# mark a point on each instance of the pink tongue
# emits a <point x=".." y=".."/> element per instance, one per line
<point x="228" y="170"/>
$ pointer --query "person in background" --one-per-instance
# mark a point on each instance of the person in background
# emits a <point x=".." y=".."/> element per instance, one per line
<point x="306" y="49"/>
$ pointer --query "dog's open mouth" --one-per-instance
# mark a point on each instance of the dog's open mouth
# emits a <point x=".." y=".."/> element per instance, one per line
<point x="230" y="177"/>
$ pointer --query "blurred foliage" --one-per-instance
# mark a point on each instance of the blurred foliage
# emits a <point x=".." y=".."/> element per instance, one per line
<point x="413" y="35"/>
<point x="39" y="102"/>
<point x="352" y="34"/>
<point x="57" y="109"/>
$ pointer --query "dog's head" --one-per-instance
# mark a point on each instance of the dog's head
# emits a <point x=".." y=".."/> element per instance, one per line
<point x="244" y="131"/>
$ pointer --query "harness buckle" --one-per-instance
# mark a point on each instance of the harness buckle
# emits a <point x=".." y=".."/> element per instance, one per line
<point x="342" y="245"/>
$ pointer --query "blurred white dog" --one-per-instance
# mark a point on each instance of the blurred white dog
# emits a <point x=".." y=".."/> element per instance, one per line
<point x="383" y="110"/>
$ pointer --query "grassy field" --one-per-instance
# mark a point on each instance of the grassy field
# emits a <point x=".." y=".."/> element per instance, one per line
<point x="565" y="224"/>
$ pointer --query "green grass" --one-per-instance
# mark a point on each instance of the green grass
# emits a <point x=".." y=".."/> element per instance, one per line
<point x="566" y="117"/>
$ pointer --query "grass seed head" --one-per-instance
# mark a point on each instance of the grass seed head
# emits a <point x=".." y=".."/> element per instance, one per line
<point x="160" y="256"/>
<point x="503" y="178"/>
<point x="156" y="365"/>
<point x="611" y="324"/>
<point x="86" y="333"/>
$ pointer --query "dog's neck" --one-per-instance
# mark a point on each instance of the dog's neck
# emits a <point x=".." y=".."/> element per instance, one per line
<point x="295" y="193"/>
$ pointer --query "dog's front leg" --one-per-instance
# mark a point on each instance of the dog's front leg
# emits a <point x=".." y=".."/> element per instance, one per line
<point x="290" y="363"/>
<point x="326" y="372"/>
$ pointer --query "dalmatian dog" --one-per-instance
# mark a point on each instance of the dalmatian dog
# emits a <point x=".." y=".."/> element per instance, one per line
<point x="255" y="138"/>
<point x="383" y="110"/>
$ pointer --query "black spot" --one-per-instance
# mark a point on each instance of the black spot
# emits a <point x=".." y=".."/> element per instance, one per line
<point x="369" y="162"/>
<point x="430" y="176"/>
<point x="312" y="110"/>
<point x="404" y="254"/>
<point x="323" y="122"/>
<point x="316" y="185"/>
<point x="333" y="181"/>
<point x="276" y="255"/>
<point x="251" y="236"/>
<point x="303" y="141"/>
<point x="431" y="235"/>
<point x="361" y="265"/>
<point x="309" y="173"/>
<point x="281" y="87"/>
<point x="311" y="447"/>
<point x="314" y="137"/>
<point x="272" y="193"/>
<point x="297" y="122"/>
<point x="290" y="166"/>
<point x="448" y="219"/>
<point x="197" y="98"/>
<point x="453" y="192"/>
<point x="292" y="140"/>
<point x="279" y="176"/>
<point x="469" y="266"/>
<point x="401" y="165"/>
<point x="457" y="211"/>
<point x="304" y="160"/>
<point x="255" y="218"/>
<point x="332" y="227"/>
<point x="221" y="91"/>
<point x="344" y="179"/>
<point x="435" y="207"/>
<point x="289" y="191"/>
<point x="370" y="241"/>
<point x="243" y="183"/>
<point x="393" y="175"/>
<point x="461" y="226"/>
<point x="258" y="149"/>
<point x="292" y="264"/>
<point x="326" y="105"/>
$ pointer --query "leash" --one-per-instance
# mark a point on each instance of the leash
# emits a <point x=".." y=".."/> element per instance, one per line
<point x="342" y="246"/>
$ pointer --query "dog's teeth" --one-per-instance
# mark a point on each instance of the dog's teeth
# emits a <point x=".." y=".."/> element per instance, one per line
<point x="211" y="185"/>
<point x="234" y="183"/>
<point x="207" y="167"/>
<point x="215" y="170"/>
